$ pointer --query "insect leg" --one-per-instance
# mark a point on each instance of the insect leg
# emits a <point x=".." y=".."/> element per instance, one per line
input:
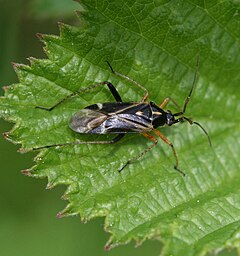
<point x="112" y="89"/>
<point x="114" y="140"/>
<point x="159" y="134"/>
<point x="166" y="101"/>
<point x="58" y="103"/>
<point x="145" y="96"/>
<point x="148" y="136"/>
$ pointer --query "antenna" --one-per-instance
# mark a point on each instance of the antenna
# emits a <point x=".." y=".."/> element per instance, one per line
<point x="183" y="118"/>
<point x="193" y="85"/>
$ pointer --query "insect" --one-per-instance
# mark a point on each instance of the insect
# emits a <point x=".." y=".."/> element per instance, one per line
<point x="126" y="117"/>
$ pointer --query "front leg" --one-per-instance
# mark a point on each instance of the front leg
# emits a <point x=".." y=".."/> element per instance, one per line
<point x="166" y="101"/>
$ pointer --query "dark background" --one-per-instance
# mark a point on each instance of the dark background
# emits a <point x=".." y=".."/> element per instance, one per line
<point x="28" y="223"/>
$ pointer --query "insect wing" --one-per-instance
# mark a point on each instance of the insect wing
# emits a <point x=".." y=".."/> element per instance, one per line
<point x="86" y="120"/>
<point x="126" y="117"/>
<point x="111" y="107"/>
<point x="123" y="123"/>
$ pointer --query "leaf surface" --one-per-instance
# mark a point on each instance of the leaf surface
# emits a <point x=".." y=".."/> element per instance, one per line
<point x="155" y="43"/>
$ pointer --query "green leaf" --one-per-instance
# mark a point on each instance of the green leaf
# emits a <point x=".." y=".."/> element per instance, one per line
<point x="155" y="43"/>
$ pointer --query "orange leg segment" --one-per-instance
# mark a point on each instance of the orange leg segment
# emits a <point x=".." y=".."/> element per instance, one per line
<point x="159" y="134"/>
<point x="148" y="136"/>
<point x="166" y="101"/>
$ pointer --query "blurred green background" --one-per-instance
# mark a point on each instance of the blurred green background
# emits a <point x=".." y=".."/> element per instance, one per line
<point x="28" y="223"/>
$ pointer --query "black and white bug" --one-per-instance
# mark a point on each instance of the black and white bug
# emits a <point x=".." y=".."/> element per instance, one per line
<point x="126" y="117"/>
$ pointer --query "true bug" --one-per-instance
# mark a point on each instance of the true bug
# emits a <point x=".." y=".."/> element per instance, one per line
<point x="126" y="117"/>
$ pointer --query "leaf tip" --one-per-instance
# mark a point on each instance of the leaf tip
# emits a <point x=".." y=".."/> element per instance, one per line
<point x="65" y="197"/>
<point x="5" y="88"/>
<point x="18" y="66"/>
<point x="107" y="248"/>
<point x="6" y="135"/>
<point x="15" y="65"/>
<point x="26" y="172"/>
<point x="40" y="36"/>
<point x="31" y="60"/>
<point x="68" y="211"/>
<point x="50" y="186"/>
<point x="61" y="214"/>
<point x="60" y="23"/>
<point x="23" y="150"/>
<point x="62" y="26"/>
<point x="109" y="245"/>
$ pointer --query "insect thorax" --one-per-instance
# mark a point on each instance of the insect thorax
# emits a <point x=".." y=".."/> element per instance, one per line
<point x="159" y="116"/>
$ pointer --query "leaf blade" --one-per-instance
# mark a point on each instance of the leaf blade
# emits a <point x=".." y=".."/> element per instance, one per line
<point x="148" y="199"/>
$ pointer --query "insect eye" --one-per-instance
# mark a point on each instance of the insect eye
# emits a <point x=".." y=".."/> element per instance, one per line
<point x="170" y="119"/>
